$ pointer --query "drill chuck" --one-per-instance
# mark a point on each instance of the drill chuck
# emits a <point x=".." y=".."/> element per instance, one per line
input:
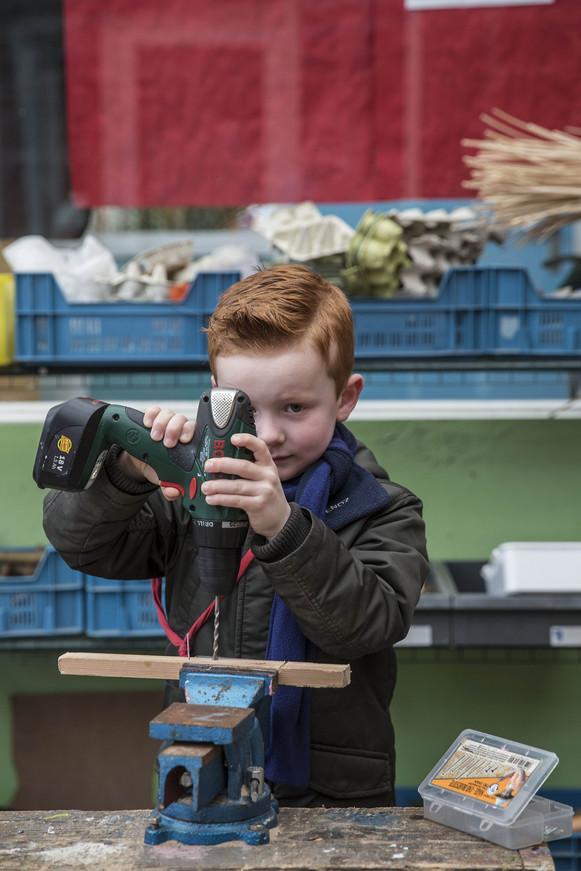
<point x="218" y="568"/>
<point x="219" y="544"/>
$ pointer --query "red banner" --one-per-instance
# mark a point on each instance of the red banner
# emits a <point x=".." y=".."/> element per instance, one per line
<point x="225" y="102"/>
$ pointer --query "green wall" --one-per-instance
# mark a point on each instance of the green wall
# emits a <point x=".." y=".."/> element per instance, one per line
<point x="485" y="482"/>
<point x="20" y="505"/>
<point x="530" y="696"/>
<point x="482" y="482"/>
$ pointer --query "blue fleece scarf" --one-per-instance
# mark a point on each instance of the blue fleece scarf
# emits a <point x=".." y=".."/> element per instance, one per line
<point x="338" y="491"/>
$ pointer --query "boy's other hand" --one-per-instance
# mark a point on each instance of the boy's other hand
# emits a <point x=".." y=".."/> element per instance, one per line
<point x="256" y="490"/>
<point x="166" y="426"/>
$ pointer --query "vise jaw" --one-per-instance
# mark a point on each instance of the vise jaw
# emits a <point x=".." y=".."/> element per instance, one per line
<point x="211" y="765"/>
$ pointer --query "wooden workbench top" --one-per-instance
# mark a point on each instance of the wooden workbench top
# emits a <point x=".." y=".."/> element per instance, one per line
<point x="345" y="838"/>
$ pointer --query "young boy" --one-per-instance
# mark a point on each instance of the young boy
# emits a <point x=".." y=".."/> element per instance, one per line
<point x="339" y="549"/>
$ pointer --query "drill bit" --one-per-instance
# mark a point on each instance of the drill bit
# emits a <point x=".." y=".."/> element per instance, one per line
<point x="216" y="627"/>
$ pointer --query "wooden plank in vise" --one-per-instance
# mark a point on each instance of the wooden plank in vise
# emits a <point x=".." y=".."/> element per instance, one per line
<point x="300" y="674"/>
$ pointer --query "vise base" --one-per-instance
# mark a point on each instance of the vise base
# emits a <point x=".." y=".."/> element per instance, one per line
<point x="253" y="831"/>
<point x="211" y="765"/>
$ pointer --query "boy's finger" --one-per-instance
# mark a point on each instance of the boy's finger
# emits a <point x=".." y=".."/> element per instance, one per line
<point x="253" y="444"/>
<point x="231" y="466"/>
<point x="228" y="486"/>
<point x="150" y="415"/>
<point x="188" y="431"/>
<point x="170" y="493"/>
<point x="160" y="423"/>
<point x="231" y="500"/>
<point x="173" y="430"/>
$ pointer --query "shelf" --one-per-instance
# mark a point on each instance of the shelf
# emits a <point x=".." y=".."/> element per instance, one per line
<point x="469" y="620"/>
<point x="456" y="612"/>
<point x="516" y="621"/>
<point x="371" y="409"/>
<point x="81" y="642"/>
<point x="455" y="363"/>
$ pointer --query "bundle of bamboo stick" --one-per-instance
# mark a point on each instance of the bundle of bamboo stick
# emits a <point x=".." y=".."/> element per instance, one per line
<point x="528" y="175"/>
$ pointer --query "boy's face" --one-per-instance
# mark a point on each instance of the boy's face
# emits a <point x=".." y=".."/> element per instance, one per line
<point x="294" y="399"/>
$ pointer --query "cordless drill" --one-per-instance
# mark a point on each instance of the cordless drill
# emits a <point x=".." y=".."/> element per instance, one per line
<point x="78" y="434"/>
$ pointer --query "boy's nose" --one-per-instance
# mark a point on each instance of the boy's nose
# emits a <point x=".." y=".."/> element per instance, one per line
<point x="269" y="430"/>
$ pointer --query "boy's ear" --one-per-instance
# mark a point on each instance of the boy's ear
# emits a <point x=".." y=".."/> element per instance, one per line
<point x="349" y="396"/>
<point x="213" y="381"/>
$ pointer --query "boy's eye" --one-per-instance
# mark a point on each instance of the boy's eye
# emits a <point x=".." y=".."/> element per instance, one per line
<point x="294" y="407"/>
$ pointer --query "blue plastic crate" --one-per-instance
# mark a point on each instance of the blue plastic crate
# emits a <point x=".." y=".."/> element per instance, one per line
<point x="478" y="311"/>
<point x="120" y="609"/>
<point x="566" y="853"/>
<point x="494" y="384"/>
<point x="49" y="602"/>
<point x="50" y="330"/>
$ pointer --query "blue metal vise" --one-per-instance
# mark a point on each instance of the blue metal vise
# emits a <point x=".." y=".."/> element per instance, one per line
<point x="211" y="765"/>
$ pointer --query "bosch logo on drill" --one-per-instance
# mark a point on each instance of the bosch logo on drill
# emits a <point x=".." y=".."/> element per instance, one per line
<point x="218" y="448"/>
<point x="64" y="444"/>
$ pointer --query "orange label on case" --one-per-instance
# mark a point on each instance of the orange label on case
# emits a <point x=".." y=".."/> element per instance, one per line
<point x="493" y="775"/>
<point x="491" y="790"/>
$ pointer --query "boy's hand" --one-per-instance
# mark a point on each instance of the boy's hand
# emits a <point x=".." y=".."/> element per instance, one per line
<point x="256" y="490"/>
<point x="165" y="426"/>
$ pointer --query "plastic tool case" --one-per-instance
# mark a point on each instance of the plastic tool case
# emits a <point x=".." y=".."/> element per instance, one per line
<point x="486" y="786"/>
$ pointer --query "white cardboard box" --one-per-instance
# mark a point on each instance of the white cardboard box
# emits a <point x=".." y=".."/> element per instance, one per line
<point x="534" y="567"/>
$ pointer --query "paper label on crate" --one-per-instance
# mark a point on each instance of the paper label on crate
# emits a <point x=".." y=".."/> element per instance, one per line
<point x="492" y="775"/>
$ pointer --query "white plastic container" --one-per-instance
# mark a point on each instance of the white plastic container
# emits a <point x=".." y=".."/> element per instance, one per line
<point x="534" y="567"/>
<point x="485" y="785"/>
<point x="308" y="240"/>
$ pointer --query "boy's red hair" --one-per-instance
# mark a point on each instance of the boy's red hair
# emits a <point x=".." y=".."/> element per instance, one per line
<point x="276" y="307"/>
